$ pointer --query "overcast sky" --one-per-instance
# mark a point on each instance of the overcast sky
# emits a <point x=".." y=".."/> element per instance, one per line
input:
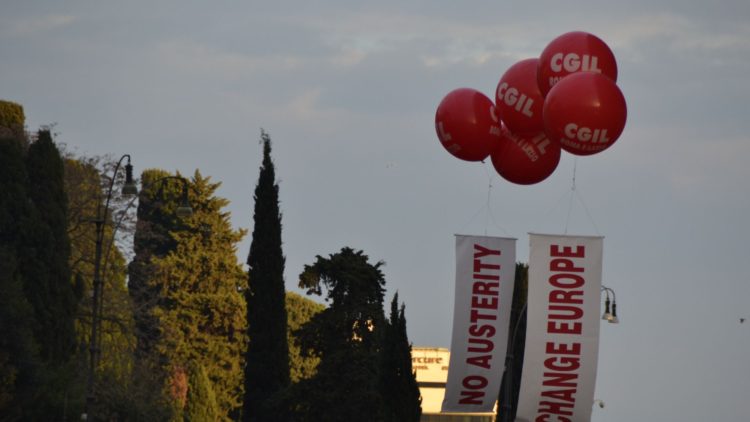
<point x="348" y="91"/>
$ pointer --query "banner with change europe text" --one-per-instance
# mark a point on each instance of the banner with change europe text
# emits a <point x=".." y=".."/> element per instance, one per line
<point x="562" y="332"/>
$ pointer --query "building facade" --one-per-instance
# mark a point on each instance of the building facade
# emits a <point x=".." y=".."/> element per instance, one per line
<point x="431" y="366"/>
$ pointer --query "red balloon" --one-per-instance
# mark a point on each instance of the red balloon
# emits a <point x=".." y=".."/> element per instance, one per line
<point x="585" y="112"/>
<point x="467" y="124"/>
<point x="574" y="52"/>
<point x="518" y="98"/>
<point x="525" y="159"/>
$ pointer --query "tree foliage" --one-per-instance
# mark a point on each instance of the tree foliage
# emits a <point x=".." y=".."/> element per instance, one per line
<point x="517" y="327"/>
<point x="186" y="285"/>
<point x="267" y="357"/>
<point x="38" y="303"/>
<point x="47" y="250"/>
<point x="398" y="380"/>
<point x="299" y="311"/>
<point x="200" y="403"/>
<point x="86" y="186"/>
<point x="12" y="120"/>
<point x="347" y="338"/>
<point x="19" y="362"/>
<point x="155" y="218"/>
<point x="84" y="177"/>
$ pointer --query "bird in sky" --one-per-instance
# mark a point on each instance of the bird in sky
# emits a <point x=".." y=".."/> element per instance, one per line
<point x="742" y="320"/>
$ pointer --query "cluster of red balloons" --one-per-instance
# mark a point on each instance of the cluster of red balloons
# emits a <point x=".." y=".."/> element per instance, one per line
<point x="567" y="99"/>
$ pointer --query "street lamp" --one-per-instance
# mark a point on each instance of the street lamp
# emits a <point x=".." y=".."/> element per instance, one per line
<point x="608" y="316"/>
<point x="129" y="188"/>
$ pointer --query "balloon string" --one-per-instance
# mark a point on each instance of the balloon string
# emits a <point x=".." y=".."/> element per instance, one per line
<point x="490" y="213"/>
<point x="489" y="197"/>
<point x="588" y="213"/>
<point x="487" y="206"/>
<point x="575" y="193"/>
<point x="572" y="193"/>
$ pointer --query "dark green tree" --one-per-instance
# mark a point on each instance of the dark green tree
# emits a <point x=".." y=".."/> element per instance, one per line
<point x="155" y="217"/>
<point x="19" y="363"/>
<point x="200" y="404"/>
<point x="47" y="250"/>
<point x="398" y="380"/>
<point x="42" y="258"/>
<point x="516" y="345"/>
<point x="20" y="366"/>
<point x="347" y="336"/>
<point x="267" y="357"/>
<point x="190" y="287"/>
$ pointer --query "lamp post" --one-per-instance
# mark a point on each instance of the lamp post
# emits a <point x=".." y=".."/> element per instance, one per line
<point x="129" y="188"/>
<point x="508" y="389"/>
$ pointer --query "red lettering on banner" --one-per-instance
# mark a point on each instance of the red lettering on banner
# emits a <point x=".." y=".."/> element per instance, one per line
<point x="564" y="363"/>
<point x="473" y="391"/>
<point x="480" y="288"/>
<point x="471" y="397"/>
<point x="564" y="316"/>
<point x="480" y="251"/>
<point x="580" y="252"/>
<point x="565" y="312"/>
<point x="563" y="264"/>
<point x="481" y="330"/>
<point x="479" y="266"/>
<point x="563" y="348"/>
<point x="485" y="301"/>
<point x="559" y="379"/>
<point x="564" y="409"/>
<point x="482" y="361"/>
<point x="562" y="296"/>
<point x="566" y="281"/>
<point x="558" y="327"/>
<point x="480" y="345"/>
<point x="545" y="418"/>
<point x="566" y="395"/>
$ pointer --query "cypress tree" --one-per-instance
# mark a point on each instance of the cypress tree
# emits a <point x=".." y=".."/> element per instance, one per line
<point x="267" y="358"/>
<point x="49" y="285"/>
<point x="19" y="362"/>
<point x="43" y="261"/>
<point x="399" y="384"/>
<point x="517" y="324"/>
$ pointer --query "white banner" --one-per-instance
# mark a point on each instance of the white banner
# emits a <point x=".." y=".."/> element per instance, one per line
<point x="562" y="331"/>
<point x="485" y="271"/>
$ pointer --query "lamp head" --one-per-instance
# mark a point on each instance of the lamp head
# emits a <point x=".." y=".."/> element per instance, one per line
<point x="613" y="318"/>
<point x="129" y="188"/>
<point x="607" y="315"/>
<point x="184" y="210"/>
